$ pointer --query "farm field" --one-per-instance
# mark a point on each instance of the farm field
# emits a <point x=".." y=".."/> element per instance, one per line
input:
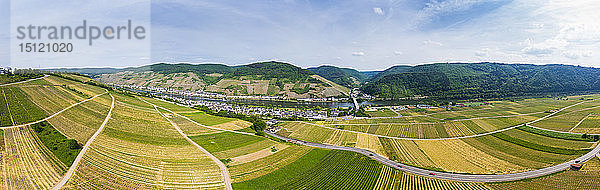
<point x="329" y="169"/>
<point x="566" y="121"/>
<point x="586" y="178"/>
<point x="141" y="149"/>
<point x="321" y="169"/>
<point x="440" y="129"/>
<point x="206" y="119"/>
<point x="83" y="120"/>
<point x="383" y="112"/>
<point x="506" y="108"/>
<point x="590" y="125"/>
<point x="27" y="163"/>
<point x="249" y="156"/>
<point x="17" y="108"/>
<point x="490" y="154"/>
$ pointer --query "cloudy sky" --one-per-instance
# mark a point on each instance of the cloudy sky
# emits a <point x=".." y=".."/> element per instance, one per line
<point x="373" y="35"/>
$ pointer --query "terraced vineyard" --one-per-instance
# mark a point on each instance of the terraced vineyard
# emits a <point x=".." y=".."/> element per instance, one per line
<point x="506" y="151"/>
<point x="143" y="152"/>
<point x="17" y="108"/>
<point x="27" y="163"/>
<point x="586" y="178"/>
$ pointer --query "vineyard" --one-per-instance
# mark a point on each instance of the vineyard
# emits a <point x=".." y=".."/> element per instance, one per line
<point x="384" y="112"/>
<point x="27" y="162"/>
<point x="16" y="107"/>
<point x="428" y="130"/>
<point x="394" y="179"/>
<point x="498" y="153"/>
<point x="586" y="178"/>
<point x="83" y="120"/>
<point x="140" y="149"/>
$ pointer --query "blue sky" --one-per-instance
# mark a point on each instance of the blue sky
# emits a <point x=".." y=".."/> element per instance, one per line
<point x="371" y="35"/>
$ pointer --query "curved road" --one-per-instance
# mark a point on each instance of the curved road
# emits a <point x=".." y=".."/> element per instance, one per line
<point x="449" y="176"/>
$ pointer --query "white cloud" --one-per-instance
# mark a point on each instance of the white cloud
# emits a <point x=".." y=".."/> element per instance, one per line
<point x="358" y="53"/>
<point x="577" y="54"/>
<point x="483" y="52"/>
<point x="435" y="9"/>
<point x="378" y="11"/>
<point x="431" y="42"/>
<point x="398" y="53"/>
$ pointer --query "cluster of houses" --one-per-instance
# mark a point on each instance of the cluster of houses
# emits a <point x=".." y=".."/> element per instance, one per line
<point x="154" y="89"/>
<point x="330" y="99"/>
<point x="250" y="110"/>
<point x="204" y="94"/>
<point x="4" y="71"/>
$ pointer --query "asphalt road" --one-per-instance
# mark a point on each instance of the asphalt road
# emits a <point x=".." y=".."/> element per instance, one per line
<point x="450" y="176"/>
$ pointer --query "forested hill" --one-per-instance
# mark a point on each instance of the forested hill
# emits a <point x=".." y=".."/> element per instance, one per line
<point x="390" y="71"/>
<point x="273" y="69"/>
<point x="343" y="76"/>
<point x="484" y="80"/>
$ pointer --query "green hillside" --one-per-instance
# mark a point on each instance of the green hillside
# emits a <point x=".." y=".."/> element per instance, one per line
<point x="475" y="80"/>
<point x="262" y="78"/>
<point x="343" y="76"/>
<point x="268" y="70"/>
<point x="390" y="71"/>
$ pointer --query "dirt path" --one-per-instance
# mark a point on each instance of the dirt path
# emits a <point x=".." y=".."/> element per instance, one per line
<point x="87" y="145"/>
<point x="222" y="167"/>
<point x="1" y="85"/>
<point x="55" y="114"/>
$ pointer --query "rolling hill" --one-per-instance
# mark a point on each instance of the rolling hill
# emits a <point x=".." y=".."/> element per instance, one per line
<point x="482" y="80"/>
<point x="343" y="76"/>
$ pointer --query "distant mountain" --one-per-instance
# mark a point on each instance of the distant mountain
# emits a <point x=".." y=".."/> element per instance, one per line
<point x="483" y="80"/>
<point x="183" y="67"/>
<point x="87" y="71"/>
<point x="370" y="74"/>
<point x="343" y="76"/>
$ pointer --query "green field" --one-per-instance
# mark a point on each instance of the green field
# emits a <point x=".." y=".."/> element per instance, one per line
<point x="17" y="108"/>
<point x="321" y="169"/>
<point x="224" y="141"/>
<point x="206" y="119"/>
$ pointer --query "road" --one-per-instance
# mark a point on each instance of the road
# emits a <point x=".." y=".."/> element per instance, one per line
<point x="222" y="167"/>
<point x="2" y="85"/>
<point x="450" y="176"/>
<point x="87" y="145"/>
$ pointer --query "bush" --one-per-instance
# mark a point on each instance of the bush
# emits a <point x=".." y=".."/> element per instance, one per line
<point x="66" y="150"/>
